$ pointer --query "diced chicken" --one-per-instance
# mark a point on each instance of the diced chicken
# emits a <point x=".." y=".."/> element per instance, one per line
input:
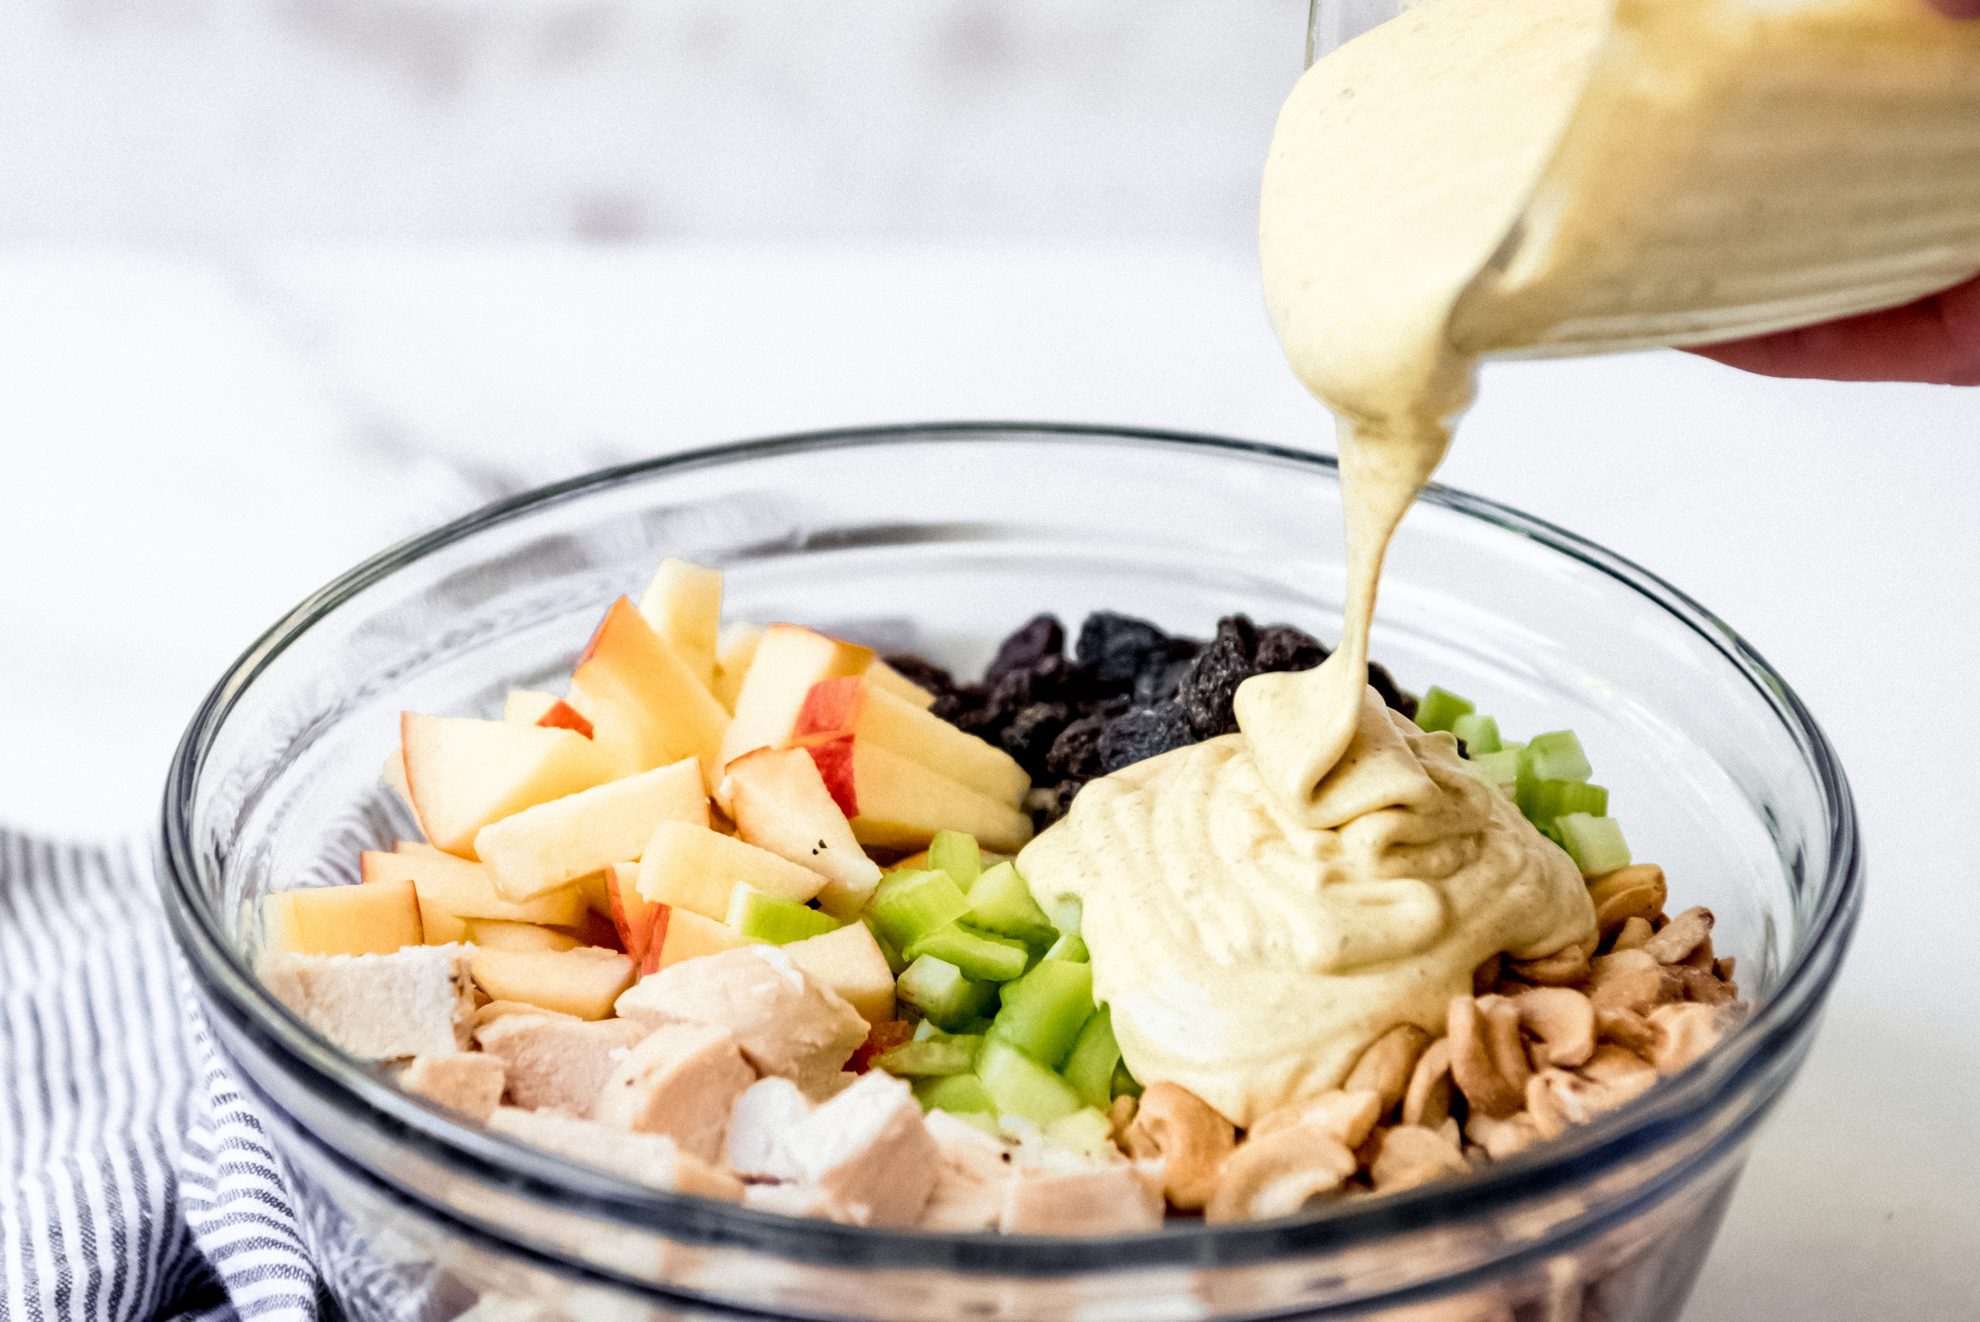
<point x="784" y="1199"/>
<point x="767" y="1113"/>
<point x="682" y="1081"/>
<point x="787" y="1024"/>
<point x="412" y="1002"/>
<point x="972" y="1177"/>
<point x="1083" y="1197"/>
<point x="466" y="1081"/>
<point x="652" y="1159"/>
<point x="557" y="1062"/>
<point x="867" y="1153"/>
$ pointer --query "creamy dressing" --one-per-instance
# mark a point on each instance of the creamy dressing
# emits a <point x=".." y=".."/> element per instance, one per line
<point x="1479" y="176"/>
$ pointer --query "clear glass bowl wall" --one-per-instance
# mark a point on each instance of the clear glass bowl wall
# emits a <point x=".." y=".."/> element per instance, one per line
<point x="940" y="540"/>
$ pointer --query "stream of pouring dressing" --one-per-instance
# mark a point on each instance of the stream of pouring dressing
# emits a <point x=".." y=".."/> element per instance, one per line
<point x="1484" y="176"/>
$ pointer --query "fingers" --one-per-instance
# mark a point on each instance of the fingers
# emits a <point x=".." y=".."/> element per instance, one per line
<point x="1936" y="339"/>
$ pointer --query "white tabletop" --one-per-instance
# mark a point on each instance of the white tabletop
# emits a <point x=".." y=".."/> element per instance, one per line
<point x="191" y="442"/>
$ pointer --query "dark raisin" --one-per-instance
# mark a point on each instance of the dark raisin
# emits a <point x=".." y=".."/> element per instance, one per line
<point x="1282" y="647"/>
<point x="1142" y="732"/>
<point x="965" y="706"/>
<point x="1031" y="732"/>
<point x="1213" y="678"/>
<point x="1116" y="648"/>
<point x="1392" y="693"/>
<point x="1041" y="637"/>
<point x="923" y="672"/>
<point x="1075" y="754"/>
<point x="1158" y="682"/>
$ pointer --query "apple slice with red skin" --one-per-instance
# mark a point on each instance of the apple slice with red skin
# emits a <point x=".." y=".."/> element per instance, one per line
<point x="645" y="704"/>
<point x="860" y="707"/>
<point x="781" y="802"/>
<point x="789" y="660"/>
<point x="898" y="804"/>
<point x="682" y="934"/>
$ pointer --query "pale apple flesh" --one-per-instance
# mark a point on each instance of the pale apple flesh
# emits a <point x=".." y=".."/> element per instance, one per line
<point x="462" y="774"/>
<point x="555" y="843"/>
<point x="789" y="660"/>
<point x="681" y="934"/>
<point x="683" y="603"/>
<point x="697" y="869"/>
<point x="583" y="982"/>
<point x="646" y="705"/>
<point x="857" y="707"/>
<point x="451" y="890"/>
<point x="780" y="803"/>
<point x="849" y="962"/>
<point x="342" y="920"/>
<point x="501" y="934"/>
<point x="900" y="805"/>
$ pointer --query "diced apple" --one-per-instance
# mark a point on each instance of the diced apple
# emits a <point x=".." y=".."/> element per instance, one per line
<point x="860" y="708"/>
<point x="418" y="847"/>
<point x="694" y="868"/>
<point x="683" y="603"/>
<point x="682" y="934"/>
<point x="394" y="775"/>
<point x="501" y="934"/>
<point x="890" y="680"/>
<point x="647" y="706"/>
<point x="735" y="648"/>
<point x="833" y="756"/>
<point x="463" y="774"/>
<point x="583" y="982"/>
<point x="632" y="913"/>
<point x="555" y="843"/>
<point x="592" y="886"/>
<point x="563" y="716"/>
<point x="850" y="963"/>
<point x="780" y="803"/>
<point x="595" y="929"/>
<point x="789" y="660"/>
<point x="342" y="920"/>
<point x="452" y="890"/>
<point x="901" y="804"/>
<point x="524" y="706"/>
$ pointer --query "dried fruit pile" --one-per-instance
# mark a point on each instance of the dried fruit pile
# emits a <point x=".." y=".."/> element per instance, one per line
<point x="1128" y="691"/>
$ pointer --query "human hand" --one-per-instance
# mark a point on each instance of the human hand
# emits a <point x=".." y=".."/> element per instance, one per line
<point x="1936" y="339"/>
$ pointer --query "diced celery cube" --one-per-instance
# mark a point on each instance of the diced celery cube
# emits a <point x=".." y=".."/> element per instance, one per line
<point x="895" y="964"/>
<point x="1499" y="769"/>
<point x="766" y="918"/>
<point x="1595" y="844"/>
<point x="1440" y="708"/>
<point x="959" y="1094"/>
<point x="1000" y="902"/>
<point x="1543" y="801"/>
<point x="1125" y="1084"/>
<point x="1090" y="1067"/>
<point x="936" y="1055"/>
<point x="956" y="853"/>
<point x="908" y="905"/>
<point x="939" y="990"/>
<point x="1044" y="1010"/>
<point x="1020" y="1086"/>
<point x="1480" y="733"/>
<point x="1555" y="755"/>
<point x="1072" y="947"/>
<point x="1087" y="1131"/>
<point x="977" y="954"/>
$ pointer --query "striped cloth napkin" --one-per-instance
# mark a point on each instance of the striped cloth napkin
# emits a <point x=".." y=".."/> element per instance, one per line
<point x="134" y="1181"/>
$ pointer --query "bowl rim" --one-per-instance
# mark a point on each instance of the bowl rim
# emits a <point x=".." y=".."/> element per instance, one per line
<point x="1754" y="1051"/>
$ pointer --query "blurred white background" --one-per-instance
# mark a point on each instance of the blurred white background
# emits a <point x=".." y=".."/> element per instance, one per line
<point x="281" y="283"/>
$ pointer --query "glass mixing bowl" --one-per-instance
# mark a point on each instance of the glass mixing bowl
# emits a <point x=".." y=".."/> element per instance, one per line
<point x="941" y="539"/>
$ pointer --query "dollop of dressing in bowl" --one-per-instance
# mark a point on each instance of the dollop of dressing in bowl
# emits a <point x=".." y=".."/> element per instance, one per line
<point x="1485" y="176"/>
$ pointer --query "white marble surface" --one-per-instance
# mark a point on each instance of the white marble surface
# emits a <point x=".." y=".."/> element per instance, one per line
<point x="192" y="439"/>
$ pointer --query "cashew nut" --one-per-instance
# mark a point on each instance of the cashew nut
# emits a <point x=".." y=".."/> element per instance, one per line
<point x="1683" y="1033"/>
<point x="1428" y="1099"/>
<point x="1563" y="968"/>
<point x="1632" y="980"/>
<point x="1501" y="1138"/>
<point x="1564" y="1021"/>
<point x="1680" y="936"/>
<point x="1412" y="1155"/>
<point x="1633" y="935"/>
<point x="1385" y="1067"/>
<point x="1705" y="988"/>
<point x="1347" y="1116"/>
<point x="1179" y="1127"/>
<point x="1279" y="1174"/>
<point x="1119" y="1116"/>
<point x="1626" y="1028"/>
<point x="1637" y="891"/>
<point x="1624" y="1073"/>
<point x="1488" y="1056"/>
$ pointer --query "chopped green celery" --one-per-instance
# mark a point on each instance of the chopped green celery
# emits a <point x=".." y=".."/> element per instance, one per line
<point x="923" y="1057"/>
<point x="1072" y="947"/>
<point x="1555" y="755"/>
<point x="766" y="918"/>
<point x="1440" y="708"/>
<point x="959" y="1094"/>
<point x="1000" y="902"/>
<point x="1087" y="1131"/>
<point x="1512" y="745"/>
<point x="895" y="964"/>
<point x="1595" y="844"/>
<point x="1500" y="769"/>
<point x="1090" y="1067"/>
<point x="956" y="853"/>
<point x="1125" y="1084"/>
<point x="1543" y="801"/>
<point x="977" y="954"/>
<point x="1480" y="733"/>
<point x="939" y="990"/>
<point x="1022" y="1087"/>
<point x="1044" y="1010"/>
<point x="1066" y="915"/>
<point x="908" y="905"/>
